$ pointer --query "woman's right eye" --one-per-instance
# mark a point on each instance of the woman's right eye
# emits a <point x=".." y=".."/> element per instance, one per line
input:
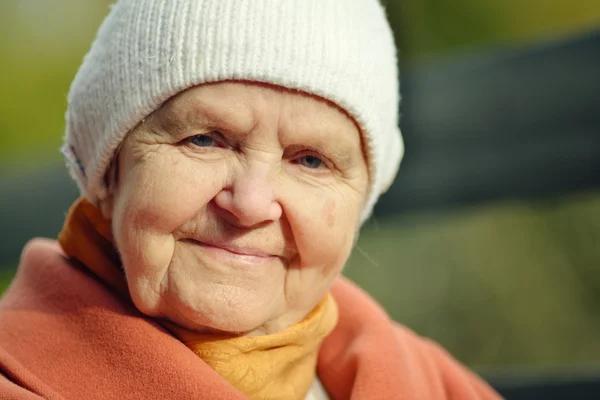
<point x="203" y="141"/>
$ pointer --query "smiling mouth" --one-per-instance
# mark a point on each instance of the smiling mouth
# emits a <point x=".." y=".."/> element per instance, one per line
<point x="246" y="255"/>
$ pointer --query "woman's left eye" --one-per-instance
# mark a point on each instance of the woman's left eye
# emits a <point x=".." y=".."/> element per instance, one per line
<point x="312" y="162"/>
<point x="203" y="141"/>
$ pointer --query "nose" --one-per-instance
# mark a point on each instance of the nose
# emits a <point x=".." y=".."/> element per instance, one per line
<point x="250" y="200"/>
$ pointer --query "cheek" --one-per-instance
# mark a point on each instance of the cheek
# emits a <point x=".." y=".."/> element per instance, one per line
<point x="156" y="197"/>
<point x="328" y="213"/>
<point x="324" y="228"/>
<point x="165" y="192"/>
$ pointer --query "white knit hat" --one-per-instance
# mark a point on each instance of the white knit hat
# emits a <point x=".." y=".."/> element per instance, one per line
<point x="149" y="50"/>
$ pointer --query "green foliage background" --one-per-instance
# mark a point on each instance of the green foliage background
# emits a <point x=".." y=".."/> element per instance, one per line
<point x="4" y="280"/>
<point x="501" y="284"/>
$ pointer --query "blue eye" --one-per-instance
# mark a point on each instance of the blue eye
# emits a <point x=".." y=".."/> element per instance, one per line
<point x="203" y="141"/>
<point x="311" y="162"/>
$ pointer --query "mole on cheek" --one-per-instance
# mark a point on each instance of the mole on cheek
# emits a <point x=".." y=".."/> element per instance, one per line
<point x="328" y="212"/>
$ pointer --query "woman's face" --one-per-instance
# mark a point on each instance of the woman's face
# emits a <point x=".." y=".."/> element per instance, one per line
<point x="236" y="205"/>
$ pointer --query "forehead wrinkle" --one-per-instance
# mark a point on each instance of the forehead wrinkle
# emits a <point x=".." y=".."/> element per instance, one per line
<point x="320" y="124"/>
<point x="204" y="111"/>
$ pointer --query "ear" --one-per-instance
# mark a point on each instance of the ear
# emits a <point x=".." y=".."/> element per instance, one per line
<point x="111" y="180"/>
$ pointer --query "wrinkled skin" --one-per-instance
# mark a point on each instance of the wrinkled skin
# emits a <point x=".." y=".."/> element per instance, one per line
<point x="235" y="205"/>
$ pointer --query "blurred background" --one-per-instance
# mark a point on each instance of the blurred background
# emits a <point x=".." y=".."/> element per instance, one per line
<point x="489" y="241"/>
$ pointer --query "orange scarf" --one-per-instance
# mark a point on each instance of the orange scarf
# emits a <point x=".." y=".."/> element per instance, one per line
<point x="281" y="365"/>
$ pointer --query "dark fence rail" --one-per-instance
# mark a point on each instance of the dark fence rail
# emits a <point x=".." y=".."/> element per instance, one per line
<point x="518" y="123"/>
<point x="526" y="384"/>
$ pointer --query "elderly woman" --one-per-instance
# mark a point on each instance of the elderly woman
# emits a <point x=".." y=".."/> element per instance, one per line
<point x="227" y="153"/>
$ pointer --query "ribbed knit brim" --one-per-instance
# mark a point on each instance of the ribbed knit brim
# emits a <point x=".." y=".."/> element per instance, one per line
<point x="149" y="50"/>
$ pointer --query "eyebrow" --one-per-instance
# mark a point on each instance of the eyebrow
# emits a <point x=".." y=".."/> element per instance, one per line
<point x="341" y="155"/>
<point x="200" y="113"/>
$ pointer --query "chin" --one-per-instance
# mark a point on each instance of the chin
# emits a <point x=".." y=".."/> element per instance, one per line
<point x="224" y="315"/>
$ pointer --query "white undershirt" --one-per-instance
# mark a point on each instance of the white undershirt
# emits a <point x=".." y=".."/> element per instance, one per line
<point x="317" y="391"/>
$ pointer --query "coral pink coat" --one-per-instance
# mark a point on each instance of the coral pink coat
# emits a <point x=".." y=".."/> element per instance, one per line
<point x="65" y="335"/>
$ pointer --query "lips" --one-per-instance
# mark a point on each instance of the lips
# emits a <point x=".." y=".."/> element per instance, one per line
<point x="242" y="251"/>
<point x="235" y="249"/>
